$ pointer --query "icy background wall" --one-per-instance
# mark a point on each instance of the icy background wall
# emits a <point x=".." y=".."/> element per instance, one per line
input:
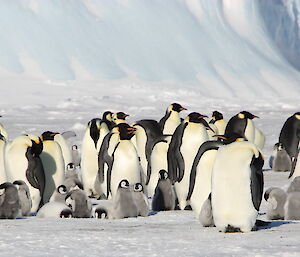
<point x="225" y="47"/>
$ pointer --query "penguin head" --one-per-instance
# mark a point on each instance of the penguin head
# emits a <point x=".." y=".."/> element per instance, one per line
<point x="66" y="213"/>
<point x="230" y="138"/>
<point x="36" y="147"/>
<point x="195" y="117"/>
<point x="176" y="107"/>
<point x="297" y="115"/>
<point x="21" y="185"/>
<point x="48" y="135"/>
<point x="101" y="213"/>
<point x="138" y="187"/>
<point x="125" y="131"/>
<point x="74" y="147"/>
<point x="120" y="116"/>
<point x="107" y="116"/>
<point x="124" y="184"/>
<point x="2" y="138"/>
<point x="163" y="175"/>
<point x="10" y="192"/>
<point x="216" y="116"/>
<point x="246" y="115"/>
<point x="62" y="189"/>
<point x="70" y="166"/>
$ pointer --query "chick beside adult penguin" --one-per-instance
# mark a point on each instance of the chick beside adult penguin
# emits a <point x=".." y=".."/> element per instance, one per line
<point x="79" y="203"/>
<point x="10" y="207"/>
<point x="140" y="199"/>
<point x="24" y="197"/>
<point x="276" y="197"/>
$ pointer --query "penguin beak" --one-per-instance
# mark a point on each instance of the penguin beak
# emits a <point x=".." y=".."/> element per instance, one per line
<point x="131" y="130"/>
<point x="201" y="116"/>
<point x="220" y="136"/>
<point x="254" y="116"/>
<point x="182" y="109"/>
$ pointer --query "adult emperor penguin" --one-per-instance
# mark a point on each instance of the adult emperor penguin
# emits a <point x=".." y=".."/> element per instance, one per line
<point x="91" y="143"/>
<point x="276" y="198"/>
<point x="140" y="200"/>
<point x="147" y="133"/>
<point x="108" y="119"/>
<point x="119" y="117"/>
<point x="125" y="160"/>
<point x="237" y="186"/>
<point x="289" y="135"/>
<point x="53" y="162"/>
<point x="24" y="197"/>
<point x="158" y="161"/>
<point x="218" y="120"/>
<point x="183" y="148"/>
<point x="10" y="207"/>
<point x="3" y="177"/>
<point x="164" y="197"/>
<point x="243" y="125"/>
<point x="23" y="163"/>
<point x="171" y="120"/>
<point x="281" y="161"/>
<point x="123" y="204"/>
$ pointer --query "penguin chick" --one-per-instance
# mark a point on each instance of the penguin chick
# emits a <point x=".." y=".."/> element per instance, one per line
<point x="123" y="203"/>
<point x="140" y="199"/>
<point x="276" y="197"/>
<point x="24" y="197"/>
<point x="206" y="215"/>
<point x="75" y="155"/>
<point x="80" y="203"/>
<point x="10" y="207"/>
<point x="59" y="194"/>
<point x="295" y="185"/>
<point x="292" y="206"/>
<point x="54" y="210"/>
<point x="72" y="179"/>
<point x="281" y="160"/>
<point x="103" y="210"/>
<point x="164" y="195"/>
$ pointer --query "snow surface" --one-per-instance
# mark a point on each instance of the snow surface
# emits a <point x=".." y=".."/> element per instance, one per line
<point x="63" y="63"/>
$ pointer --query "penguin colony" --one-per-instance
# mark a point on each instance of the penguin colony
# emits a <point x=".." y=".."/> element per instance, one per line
<point x="207" y="165"/>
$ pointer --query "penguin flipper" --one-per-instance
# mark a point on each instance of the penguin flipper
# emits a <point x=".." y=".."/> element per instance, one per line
<point x="294" y="162"/>
<point x="206" y="146"/>
<point x="103" y="157"/>
<point x="257" y="180"/>
<point x="163" y="120"/>
<point x="68" y="134"/>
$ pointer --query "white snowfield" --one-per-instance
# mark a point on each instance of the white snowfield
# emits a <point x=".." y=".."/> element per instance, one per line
<point x="63" y="63"/>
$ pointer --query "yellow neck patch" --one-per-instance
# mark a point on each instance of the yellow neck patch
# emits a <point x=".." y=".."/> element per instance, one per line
<point x="241" y="116"/>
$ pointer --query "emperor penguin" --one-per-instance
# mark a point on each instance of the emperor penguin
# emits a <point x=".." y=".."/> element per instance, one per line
<point x="61" y="139"/>
<point x="75" y="155"/>
<point x="10" y="207"/>
<point x="218" y="120"/>
<point x="54" y="210"/>
<point x="24" y="197"/>
<point x="125" y="160"/>
<point x="146" y="134"/>
<point x="243" y="125"/>
<point x="3" y="177"/>
<point x="119" y="117"/>
<point x="23" y="162"/>
<point x="79" y="203"/>
<point x="171" y="120"/>
<point x="140" y="200"/>
<point x="276" y="198"/>
<point x="91" y="143"/>
<point x="108" y="119"/>
<point x="158" y="161"/>
<point x="281" y="161"/>
<point x="3" y="131"/>
<point x="237" y="186"/>
<point x="164" y="197"/>
<point x="183" y="148"/>
<point x="53" y="162"/>
<point x="289" y="135"/>
<point x="259" y="138"/>
<point x="123" y="204"/>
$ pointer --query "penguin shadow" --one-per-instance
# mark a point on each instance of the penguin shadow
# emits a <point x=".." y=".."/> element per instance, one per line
<point x="152" y="213"/>
<point x="50" y="169"/>
<point x="272" y="224"/>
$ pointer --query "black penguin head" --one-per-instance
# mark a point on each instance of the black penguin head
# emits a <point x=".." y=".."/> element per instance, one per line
<point x="230" y="138"/>
<point x="246" y="115"/>
<point x="95" y="125"/>
<point x="66" y="213"/>
<point x="124" y="183"/>
<point x="125" y="131"/>
<point x="101" y="213"/>
<point x="71" y="166"/>
<point x="74" y="147"/>
<point x="48" y="135"/>
<point x="138" y="187"/>
<point x="19" y="182"/>
<point x="216" y="116"/>
<point x="121" y="116"/>
<point x="37" y="145"/>
<point x="177" y="107"/>
<point x="163" y="175"/>
<point x="62" y="189"/>
<point x="107" y="116"/>
<point x="195" y="117"/>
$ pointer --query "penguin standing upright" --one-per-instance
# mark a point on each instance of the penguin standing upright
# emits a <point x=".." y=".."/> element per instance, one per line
<point x="108" y="119"/>
<point x="24" y="197"/>
<point x="281" y="161"/>
<point x="75" y="155"/>
<point x="290" y="135"/>
<point x="3" y="177"/>
<point x="276" y="198"/>
<point x="53" y="162"/>
<point x="91" y="143"/>
<point x="183" y="148"/>
<point x="80" y="204"/>
<point x="237" y="186"/>
<point x="171" y="120"/>
<point x="218" y="120"/>
<point x="23" y="162"/>
<point x="125" y="160"/>
<point x="140" y="200"/>
<point x="243" y="125"/>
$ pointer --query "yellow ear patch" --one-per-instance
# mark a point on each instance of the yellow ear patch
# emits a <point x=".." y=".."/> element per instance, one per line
<point x="297" y="116"/>
<point x="240" y="139"/>
<point x="241" y="116"/>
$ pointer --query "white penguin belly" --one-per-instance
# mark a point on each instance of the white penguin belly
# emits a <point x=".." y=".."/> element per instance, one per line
<point x="231" y="193"/>
<point x="125" y="165"/>
<point x="250" y="131"/>
<point x="194" y="135"/>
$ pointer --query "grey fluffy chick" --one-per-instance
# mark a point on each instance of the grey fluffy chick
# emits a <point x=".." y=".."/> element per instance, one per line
<point x="276" y="197"/>
<point x="10" y="207"/>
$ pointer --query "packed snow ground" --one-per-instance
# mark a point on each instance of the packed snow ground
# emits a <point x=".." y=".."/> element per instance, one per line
<point x="162" y="234"/>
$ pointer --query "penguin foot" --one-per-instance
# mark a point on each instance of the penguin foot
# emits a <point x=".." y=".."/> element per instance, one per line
<point x="232" y="229"/>
<point x="188" y="208"/>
